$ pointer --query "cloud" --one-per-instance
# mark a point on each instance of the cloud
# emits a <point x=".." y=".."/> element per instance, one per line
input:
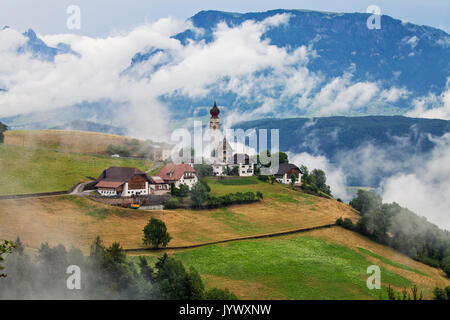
<point x="336" y="178"/>
<point x="426" y="189"/>
<point x="433" y="106"/>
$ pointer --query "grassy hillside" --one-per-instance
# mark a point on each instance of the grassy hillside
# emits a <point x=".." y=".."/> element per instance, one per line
<point x="63" y="140"/>
<point x="328" y="263"/>
<point x="320" y="264"/>
<point x="77" y="221"/>
<point x="29" y="170"/>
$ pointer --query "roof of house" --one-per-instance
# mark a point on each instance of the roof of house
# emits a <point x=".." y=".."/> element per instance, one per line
<point x="122" y="174"/>
<point x="174" y="172"/>
<point x="156" y="180"/>
<point x="109" y="184"/>
<point x="285" y="167"/>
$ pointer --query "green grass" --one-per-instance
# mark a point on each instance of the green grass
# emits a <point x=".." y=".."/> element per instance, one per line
<point x="236" y="182"/>
<point x="295" y="267"/>
<point x="28" y="170"/>
<point x="389" y="262"/>
<point x="234" y="220"/>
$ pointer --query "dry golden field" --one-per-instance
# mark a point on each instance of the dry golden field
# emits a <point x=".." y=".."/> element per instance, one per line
<point x="75" y="221"/>
<point x="64" y="140"/>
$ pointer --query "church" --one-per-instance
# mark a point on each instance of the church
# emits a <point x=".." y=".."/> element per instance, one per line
<point x="221" y="157"/>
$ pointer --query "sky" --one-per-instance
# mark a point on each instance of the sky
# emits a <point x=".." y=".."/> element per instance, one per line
<point x="101" y="18"/>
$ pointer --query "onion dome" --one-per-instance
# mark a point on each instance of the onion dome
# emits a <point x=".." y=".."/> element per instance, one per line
<point x="214" y="111"/>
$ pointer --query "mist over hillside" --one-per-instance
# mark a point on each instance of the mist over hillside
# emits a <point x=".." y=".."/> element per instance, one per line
<point x="279" y="63"/>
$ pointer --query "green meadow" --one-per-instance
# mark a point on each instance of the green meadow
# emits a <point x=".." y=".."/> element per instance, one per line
<point x="29" y="170"/>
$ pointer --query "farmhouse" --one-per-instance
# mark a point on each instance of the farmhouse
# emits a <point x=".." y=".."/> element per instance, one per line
<point x="285" y="171"/>
<point x="179" y="174"/>
<point x="123" y="181"/>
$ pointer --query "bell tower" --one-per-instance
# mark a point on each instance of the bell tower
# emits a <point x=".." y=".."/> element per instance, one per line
<point x="214" y="122"/>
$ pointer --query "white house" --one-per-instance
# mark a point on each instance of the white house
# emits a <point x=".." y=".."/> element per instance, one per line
<point x="179" y="174"/>
<point x="285" y="172"/>
<point x="122" y="181"/>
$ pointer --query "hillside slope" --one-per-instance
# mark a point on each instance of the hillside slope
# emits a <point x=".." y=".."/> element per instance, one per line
<point x="31" y="170"/>
<point x="63" y="140"/>
<point x="329" y="263"/>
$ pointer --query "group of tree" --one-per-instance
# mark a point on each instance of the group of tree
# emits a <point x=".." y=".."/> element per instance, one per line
<point x="442" y="293"/>
<point x="201" y="197"/>
<point x="401" y="229"/>
<point x="105" y="274"/>
<point x="233" y="198"/>
<point x="3" y="128"/>
<point x="128" y="148"/>
<point x="412" y="294"/>
<point x="6" y="248"/>
<point x="264" y="158"/>
<point x="315" y="181"/>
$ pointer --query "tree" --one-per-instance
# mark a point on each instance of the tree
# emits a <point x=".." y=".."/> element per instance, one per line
<point x="293" y="179"/>
<point x="175" y="283"/>
<point x="366" y="201"/>
<point x="199" y="194"/>
<point x="5" y="248"/>
<point x="219" y="294"/>
<point x="155" y="233"/>
<point x="3" y="128"/>
<point x="203" y="170"/>
<point x="282" y="157"/>
<point x="446" y="265"/>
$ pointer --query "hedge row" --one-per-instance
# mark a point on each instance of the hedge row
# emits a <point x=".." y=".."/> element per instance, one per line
<point x="233" y="198"/>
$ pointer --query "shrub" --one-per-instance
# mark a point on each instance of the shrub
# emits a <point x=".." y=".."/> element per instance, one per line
<point x="219" y="294"/>
<point x="172" y="203"/>
<point x="263" y="178"/>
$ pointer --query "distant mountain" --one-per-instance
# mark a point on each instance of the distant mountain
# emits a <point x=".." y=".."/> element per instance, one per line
<point x="40" y="50"/>
<point x="388" y="139"/>
<point x="101" y="112"/>
<point x="402" y="55"/>
<point x="90" y="126"/>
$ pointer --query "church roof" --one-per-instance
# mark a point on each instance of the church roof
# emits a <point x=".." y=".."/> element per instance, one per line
<point x="214" y="111"/>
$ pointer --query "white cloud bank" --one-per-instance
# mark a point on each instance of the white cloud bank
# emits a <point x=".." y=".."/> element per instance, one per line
<point x="426" y="189"/>
<point x="235" y="61"/>
<point x="433" y="106"/>
<point x="421" y="184"/>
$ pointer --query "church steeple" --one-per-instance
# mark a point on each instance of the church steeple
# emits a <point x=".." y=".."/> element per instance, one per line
<point x="214" y="122"/>
<point x="214" y="111"/>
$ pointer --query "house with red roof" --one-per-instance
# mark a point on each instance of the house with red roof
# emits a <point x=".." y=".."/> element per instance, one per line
<point x="179" y="174"/>
<point x="123" y="181"/>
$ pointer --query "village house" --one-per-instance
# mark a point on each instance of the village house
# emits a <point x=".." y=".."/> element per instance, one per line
<point x="123" y="181"/>
<point x="158" y="186"/>
<point x="178" y="174"/>
<point x="245" y="164"/>
<point x="285" y="171"/>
